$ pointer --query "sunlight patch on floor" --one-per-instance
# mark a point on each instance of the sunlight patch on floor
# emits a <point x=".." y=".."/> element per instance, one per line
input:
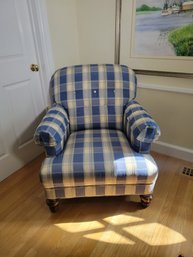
<point x="84" y="226"/>
<point x="155" y="234"/>
<point x="110" y="237"/>
<point x="121" y="228"/>
<point x="122" y="219"/>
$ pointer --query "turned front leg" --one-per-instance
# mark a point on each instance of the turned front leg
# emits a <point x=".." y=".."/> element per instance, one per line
<point x="53" y="204"/>
<point x="146" y="200"/>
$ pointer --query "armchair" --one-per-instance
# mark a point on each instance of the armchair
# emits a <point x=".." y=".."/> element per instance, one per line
<point x="97" y="138"/>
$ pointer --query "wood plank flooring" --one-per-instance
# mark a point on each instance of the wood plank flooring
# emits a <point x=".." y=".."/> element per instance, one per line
<point x="97" y="227"/>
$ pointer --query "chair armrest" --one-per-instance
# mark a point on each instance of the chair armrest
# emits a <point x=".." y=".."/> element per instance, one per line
<point x="53" y="130"/>
<point x="140" y="128"/>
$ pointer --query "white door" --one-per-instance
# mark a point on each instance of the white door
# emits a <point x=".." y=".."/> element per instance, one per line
<point x="21" y="95"/>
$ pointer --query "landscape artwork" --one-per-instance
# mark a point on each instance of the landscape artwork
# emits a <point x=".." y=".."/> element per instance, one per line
<point x="163" y="28"/>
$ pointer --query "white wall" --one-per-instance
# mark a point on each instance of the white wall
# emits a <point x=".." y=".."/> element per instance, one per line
<point x="96" y="26"/>
<point x="62" y="20"/>
<point x="172" y="110"/>
<point x="82" y="31"/>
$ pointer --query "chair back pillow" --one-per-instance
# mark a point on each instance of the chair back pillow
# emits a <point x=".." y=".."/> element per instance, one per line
<point x="94" y="96"/>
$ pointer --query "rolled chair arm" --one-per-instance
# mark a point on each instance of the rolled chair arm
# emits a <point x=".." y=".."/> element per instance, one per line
<point x="140" y="128"/>
<point x="53" y="131"/>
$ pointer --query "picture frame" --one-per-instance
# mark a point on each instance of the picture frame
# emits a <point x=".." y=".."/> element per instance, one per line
<point x="175" y="66"/>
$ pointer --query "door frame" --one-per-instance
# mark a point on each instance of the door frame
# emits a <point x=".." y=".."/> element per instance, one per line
<point x="42" y="41"/>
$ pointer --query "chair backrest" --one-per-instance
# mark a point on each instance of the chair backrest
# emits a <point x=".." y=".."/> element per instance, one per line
<point x="94" y="95"/>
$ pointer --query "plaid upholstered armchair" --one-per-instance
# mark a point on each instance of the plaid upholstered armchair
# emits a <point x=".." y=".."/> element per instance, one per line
<point x="96" y="137"/>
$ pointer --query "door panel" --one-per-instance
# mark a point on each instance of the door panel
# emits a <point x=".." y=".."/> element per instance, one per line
<point x="9" y="28"/>
<point x="2" y="147"/>
<point x="21" y="118"/>
<point x="16" y="67"/>
<point x="21" y="98"/>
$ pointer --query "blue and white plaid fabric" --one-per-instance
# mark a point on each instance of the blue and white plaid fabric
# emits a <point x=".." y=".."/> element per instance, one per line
<point x="99" y="190"/>
<point x="103" y="155"/>
<point x="139" y="127"/>
<point x="94" y="158"/>
<point x="94" y="95"/>
<point x="53" y="130"/>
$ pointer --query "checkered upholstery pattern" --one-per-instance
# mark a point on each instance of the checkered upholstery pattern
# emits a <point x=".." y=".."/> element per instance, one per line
<point x="53" y="130"/>
<point x="96" y="136"/>
<point x="98" y="162"/>
<point x="140" y="128"/>
<point x="94" y="95"/>
<point x="99" y="190"/>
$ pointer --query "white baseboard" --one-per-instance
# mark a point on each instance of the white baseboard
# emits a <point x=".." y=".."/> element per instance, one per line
<point x="173" y="150"/>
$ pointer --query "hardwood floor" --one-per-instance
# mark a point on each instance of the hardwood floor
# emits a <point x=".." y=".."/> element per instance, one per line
<point x="94" y="227"/>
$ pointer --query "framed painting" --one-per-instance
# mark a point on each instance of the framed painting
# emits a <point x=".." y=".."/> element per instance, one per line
<point x="157" y="35"/>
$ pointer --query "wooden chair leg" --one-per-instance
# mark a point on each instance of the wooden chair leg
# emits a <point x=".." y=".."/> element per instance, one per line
<point x="146" y="200"/>
<point x="53" y="204"/>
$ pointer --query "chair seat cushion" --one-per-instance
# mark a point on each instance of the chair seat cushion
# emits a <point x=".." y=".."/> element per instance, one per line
<point x="98" y="157"/>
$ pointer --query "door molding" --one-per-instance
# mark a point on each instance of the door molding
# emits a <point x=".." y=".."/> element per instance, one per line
<point x="118" y="8"/>
<point x="43" y="48"/>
